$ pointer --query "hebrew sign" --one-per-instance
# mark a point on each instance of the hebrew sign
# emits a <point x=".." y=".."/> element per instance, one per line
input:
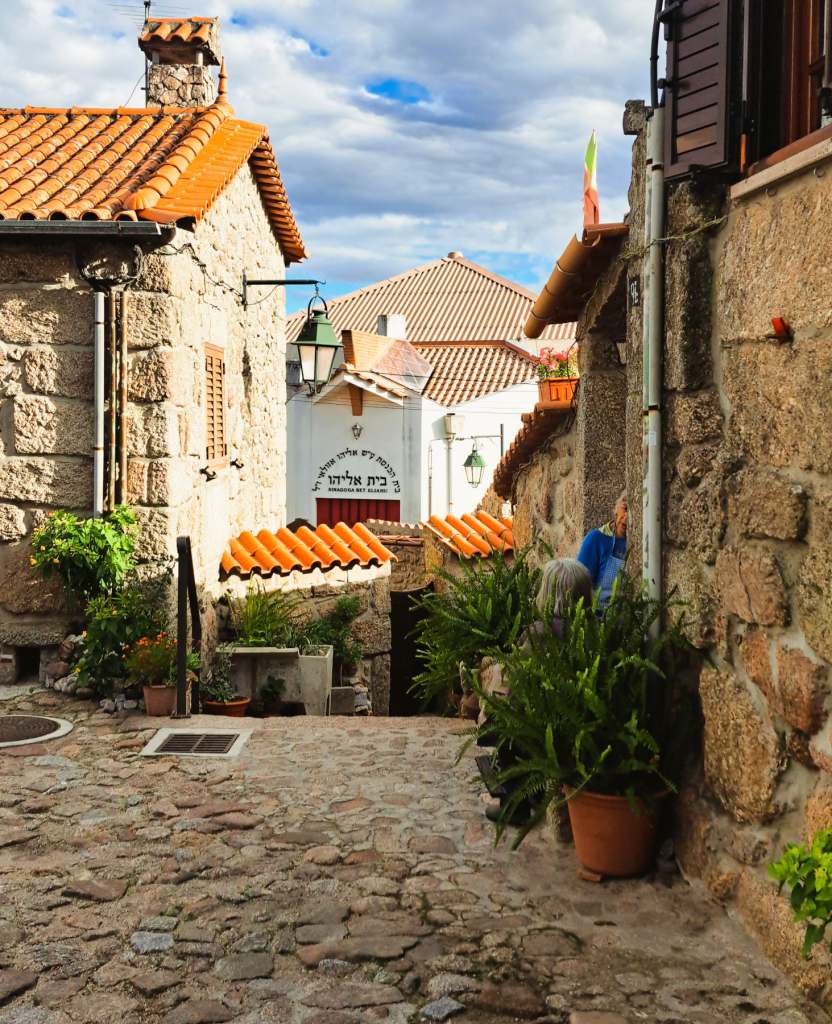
<point x="359" y="472"/>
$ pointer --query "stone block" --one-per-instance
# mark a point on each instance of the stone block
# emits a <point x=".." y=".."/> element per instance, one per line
<point x="814" y="601"/>
<point x="689" y="277"/>
<point x="53" y="426"/>
<point x="756" y="657"/>
<point x="685" y="571"/>
<point x="12" y="522"/>
<point x="22" y="589"/>
<point x="695" y="461"/>
<point x="137" y="481"/>
<point x="818" y="810"/>
<point x="768" y="916"/>
<point x="694" y="418"/>
<point x="21" y="632"/>
<point x="342" y="700"/>
<point x="66" y="372"/>
<point x="372" y="631"/>
<point x="764" y="504"/>
<point x="152" y="376"/>
<point x="780" y="396"/>
<point x="154" y="320"/>
<point x="751" y="586"/>
<point x="380" y="684"/>
<point x="696" y="518"/>
<point x="152" y="431"/>
<point x="46" y="261"/>
<point x="46" y="316"/>
<point x="801" y="689"/>
<point x="156" y="538"/>
<point x="66" y="483"/>
<point x="169" y="481"/>
<point x="742" y="754"/>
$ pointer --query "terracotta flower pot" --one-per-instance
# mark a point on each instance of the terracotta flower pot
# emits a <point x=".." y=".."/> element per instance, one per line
<point x="159" y="701"/>
<point x="557" y="392"/>
<point x="231" y="708"/>
<point x="610" y="837"/>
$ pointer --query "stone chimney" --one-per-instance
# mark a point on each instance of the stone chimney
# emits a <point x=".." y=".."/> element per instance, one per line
<point x="392" y="325"/>
<point x="180" y="53"/>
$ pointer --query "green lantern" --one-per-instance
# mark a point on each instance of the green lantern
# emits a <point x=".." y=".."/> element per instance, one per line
<point x="317" y="347"/>
<point x="474" y="466"/>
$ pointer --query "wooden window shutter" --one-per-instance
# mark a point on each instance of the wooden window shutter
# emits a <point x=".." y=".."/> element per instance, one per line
<point x="702" y="126"/>
<point x="216" y="447"/>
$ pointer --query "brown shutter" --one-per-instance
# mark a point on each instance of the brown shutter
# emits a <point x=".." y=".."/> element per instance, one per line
<point x="216" y="447"/>
<point x="701" y="129"/>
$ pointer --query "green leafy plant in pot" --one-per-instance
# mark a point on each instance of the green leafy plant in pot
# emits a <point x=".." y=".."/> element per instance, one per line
<point x="217" y="692"/>
<point x="583" y="722"/>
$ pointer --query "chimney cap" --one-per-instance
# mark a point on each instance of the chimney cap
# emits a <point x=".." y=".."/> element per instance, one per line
<point x="179" y="40"/>
<point x="455" y="254"/>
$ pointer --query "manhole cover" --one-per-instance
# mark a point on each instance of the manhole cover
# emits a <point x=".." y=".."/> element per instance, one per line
<point x="197" y="743"/>
<point x="16" y="730"/>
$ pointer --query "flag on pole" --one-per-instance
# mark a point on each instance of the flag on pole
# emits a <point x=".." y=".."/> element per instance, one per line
<point x="592" y="212"/>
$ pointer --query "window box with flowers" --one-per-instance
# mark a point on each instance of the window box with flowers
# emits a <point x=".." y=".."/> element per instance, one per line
<point x="557" y="377"/>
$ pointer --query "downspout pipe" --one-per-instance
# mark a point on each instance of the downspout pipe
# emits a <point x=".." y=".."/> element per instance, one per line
<point x="98" y="446"/>
<point x="652" y="341"/>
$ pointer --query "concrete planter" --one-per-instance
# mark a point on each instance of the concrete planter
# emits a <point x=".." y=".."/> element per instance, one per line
<point x="307" y="675"/>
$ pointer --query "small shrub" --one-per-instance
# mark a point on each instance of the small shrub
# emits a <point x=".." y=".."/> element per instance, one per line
<point x="265" y="618"/>
<point x="808" y="874"/>
<point x="217" y="684"/>
<point x="90" y="556"/>
<point x="115" y="622"/>
<point x="335" y="628"/>
<point x="482" y="611"/>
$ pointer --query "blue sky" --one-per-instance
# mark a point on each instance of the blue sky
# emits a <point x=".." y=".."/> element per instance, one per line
<point x="404" y="128"/>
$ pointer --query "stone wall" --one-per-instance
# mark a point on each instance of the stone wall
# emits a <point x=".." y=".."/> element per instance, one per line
<point x="180" y="85"/>
<point x="187" y="295"/>
<point x="549" y="501"/>
<point x="747" y="517"/>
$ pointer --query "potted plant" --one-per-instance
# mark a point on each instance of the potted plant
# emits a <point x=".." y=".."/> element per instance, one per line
<point x="557" y="377"/>
<point x="151" y="663"/>
<point x="271" y="695"/>
<point x="219" y="696"/>
<point x="584" y="722"/>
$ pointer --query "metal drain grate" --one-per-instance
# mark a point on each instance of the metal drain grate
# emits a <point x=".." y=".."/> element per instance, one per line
<point x="197" y="743"/>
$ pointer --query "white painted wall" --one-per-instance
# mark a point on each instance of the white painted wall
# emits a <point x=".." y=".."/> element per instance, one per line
<point x="410" y="438"/>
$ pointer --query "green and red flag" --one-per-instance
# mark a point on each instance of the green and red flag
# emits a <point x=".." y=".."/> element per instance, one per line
<point x="592" y="212"/>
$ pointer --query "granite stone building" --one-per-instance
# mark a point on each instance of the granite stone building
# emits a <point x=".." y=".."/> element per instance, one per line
<point x="131" y="368"/>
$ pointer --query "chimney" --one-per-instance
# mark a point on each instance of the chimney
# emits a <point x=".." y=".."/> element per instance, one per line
<point x="392" y="325"/>
<point x="180" y="52"/>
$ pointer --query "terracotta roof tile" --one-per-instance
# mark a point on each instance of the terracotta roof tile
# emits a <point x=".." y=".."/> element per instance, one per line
<point x="450" y="299"/>
<point x="480" y="534"/>
<point x="159" y="164"/>
<point x="465" y="370"/>
<point x="302" y="550"/>
<point x="190" y="32"/>
<point x="538" y="426"/>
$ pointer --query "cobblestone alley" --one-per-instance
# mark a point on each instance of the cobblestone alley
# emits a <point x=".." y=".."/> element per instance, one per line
<point x="340" y="870"/>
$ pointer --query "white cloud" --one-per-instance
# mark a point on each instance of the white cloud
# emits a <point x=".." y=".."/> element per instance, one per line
<point x="491" y="163"/>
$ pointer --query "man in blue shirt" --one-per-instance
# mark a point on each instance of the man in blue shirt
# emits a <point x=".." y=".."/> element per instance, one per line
<point x="604" y="551"/>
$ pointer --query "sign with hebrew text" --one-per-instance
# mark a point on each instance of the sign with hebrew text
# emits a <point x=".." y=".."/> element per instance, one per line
<point x="359" y="472"/>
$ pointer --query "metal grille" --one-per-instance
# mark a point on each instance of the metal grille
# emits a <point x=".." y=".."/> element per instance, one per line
<point x="14" y="728"/>
<point x="197" y="743"/>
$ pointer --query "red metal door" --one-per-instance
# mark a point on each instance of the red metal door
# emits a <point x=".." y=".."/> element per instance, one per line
<point x="330" y="511"/>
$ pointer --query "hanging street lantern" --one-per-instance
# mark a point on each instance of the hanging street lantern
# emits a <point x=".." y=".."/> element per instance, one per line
<point x="474" y="466"/>
<point x="317" y="347"/>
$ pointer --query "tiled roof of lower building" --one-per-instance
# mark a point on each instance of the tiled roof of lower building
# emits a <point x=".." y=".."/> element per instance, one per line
<point x="465" y="370"/>
<point x="538" y="426"/>
<point x="163" y="164"/>
<point x="473" y="535"/>
<point x="302" y="550"/>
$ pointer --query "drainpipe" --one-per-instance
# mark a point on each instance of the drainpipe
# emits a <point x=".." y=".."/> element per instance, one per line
<point x="449" y="446"/>
<point x="112" y="409"/>
<point x="98" y="447"/>
<point x="652" y="332"/>
<point x="122" y="398"/>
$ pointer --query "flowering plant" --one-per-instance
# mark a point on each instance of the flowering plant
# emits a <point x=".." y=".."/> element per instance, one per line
<point x="557" y="364"/>
<point x="152" y="660"/>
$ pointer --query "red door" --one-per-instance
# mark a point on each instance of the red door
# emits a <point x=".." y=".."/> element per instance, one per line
<point x="355" y="510"/>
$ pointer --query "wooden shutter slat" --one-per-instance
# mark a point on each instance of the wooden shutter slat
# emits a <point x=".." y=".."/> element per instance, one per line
<point x="700" y="112"/>
<point x="215" y="446"/>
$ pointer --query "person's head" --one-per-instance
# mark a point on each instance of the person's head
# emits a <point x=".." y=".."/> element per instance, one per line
<point x="564" y="581"/>
<point x="619" y="515"/>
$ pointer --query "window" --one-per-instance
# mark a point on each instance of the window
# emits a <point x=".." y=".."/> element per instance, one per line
<point x="216" y="447"/>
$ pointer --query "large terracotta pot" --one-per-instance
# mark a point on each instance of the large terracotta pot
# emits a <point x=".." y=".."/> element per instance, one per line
<point x="159" y="701"/>
<point x="611" y="837"/>
<point x="231" y="708"/>
<point x="557" y="392"/>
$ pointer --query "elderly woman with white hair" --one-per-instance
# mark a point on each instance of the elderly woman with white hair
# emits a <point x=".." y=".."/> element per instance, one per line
<point x="604" y="551"/>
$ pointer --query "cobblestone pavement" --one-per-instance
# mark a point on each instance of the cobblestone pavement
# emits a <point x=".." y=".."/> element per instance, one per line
<point x="339" y="871"/>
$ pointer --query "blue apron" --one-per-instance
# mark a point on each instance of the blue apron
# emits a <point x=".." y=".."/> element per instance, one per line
<point x="610" y="569"/>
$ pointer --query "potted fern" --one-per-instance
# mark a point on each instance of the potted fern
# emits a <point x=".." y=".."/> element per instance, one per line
<point x="583" y="723"/>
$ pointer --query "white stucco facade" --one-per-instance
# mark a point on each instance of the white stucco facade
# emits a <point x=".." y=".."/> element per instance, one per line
<point x="401" y="453"/>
